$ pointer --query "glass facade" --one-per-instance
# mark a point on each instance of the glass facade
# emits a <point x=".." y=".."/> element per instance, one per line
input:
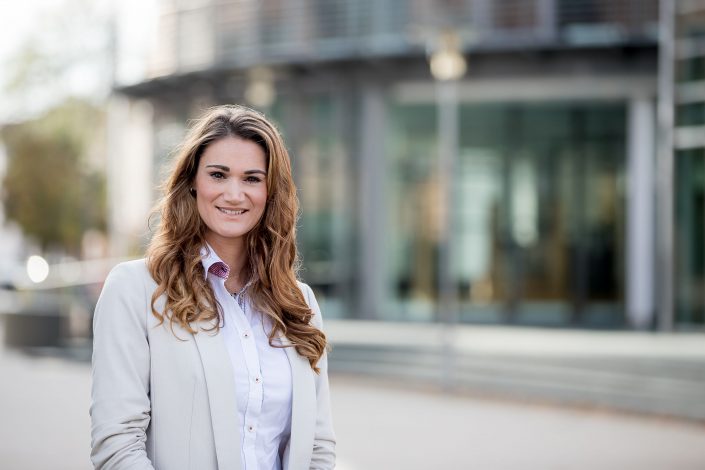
<point x="538" y="214"/>
<point x="690" y="233"/>
<point x="689" y="180"/>
<point x="539" y="207"/>
<point x="314" y="130"/>
<point x="538" y="211"/>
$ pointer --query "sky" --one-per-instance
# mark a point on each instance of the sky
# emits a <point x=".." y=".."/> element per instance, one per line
<point x="16" y="18"/>
<point x="75" y="36"/>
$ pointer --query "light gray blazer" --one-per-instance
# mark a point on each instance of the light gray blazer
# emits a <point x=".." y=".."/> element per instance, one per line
<point x="162" y="402"/>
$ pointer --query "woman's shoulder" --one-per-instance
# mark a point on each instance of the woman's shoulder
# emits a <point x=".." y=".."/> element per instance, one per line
<point x="131" y="268"/>
<point x="306" y="291"/>
<point x="312" y="303"/>
<point x="129" y="274"/>
<point x="124" y="298"/>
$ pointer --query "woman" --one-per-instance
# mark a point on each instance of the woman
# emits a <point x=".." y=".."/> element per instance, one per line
<point x="208" y="354"/>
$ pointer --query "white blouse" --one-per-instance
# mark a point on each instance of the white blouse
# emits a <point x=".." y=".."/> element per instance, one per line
<point x="263" y="384"/>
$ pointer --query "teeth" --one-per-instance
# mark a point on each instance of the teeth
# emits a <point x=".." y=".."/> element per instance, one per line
<point x="231" y="212"/>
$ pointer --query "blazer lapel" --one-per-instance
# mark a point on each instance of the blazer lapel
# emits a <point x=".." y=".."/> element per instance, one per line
<point x="303" y="411"/>
<point x="221" y="396"/>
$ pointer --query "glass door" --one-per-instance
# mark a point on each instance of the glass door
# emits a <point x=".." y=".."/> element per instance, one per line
<point x="537" y="216"/>
<point x="540" y="213"/>
<point x="690" y="233"/>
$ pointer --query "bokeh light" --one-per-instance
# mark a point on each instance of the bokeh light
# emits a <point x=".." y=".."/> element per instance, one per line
<point x="37" y="269"/>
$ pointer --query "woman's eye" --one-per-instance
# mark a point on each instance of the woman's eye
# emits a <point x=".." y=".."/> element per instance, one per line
<point x="252" y="179"/>
<point x="217" y="175"/>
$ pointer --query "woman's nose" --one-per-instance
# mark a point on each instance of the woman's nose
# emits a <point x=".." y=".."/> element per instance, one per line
<point x="233" y="191"/>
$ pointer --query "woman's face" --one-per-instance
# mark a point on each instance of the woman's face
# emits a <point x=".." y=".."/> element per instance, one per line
<point x="231" y="188"/>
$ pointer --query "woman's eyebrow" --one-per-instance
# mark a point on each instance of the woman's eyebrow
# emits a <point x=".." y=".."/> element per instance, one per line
<point x="220" y="167"/>
<point x="251" y="172"/>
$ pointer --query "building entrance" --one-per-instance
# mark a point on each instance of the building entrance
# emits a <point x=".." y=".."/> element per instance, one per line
<point x="538" y="216"/>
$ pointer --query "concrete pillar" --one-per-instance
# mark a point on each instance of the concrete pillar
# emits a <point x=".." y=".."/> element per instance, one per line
<point x="129" y="173"/>
<point x="664" y="164"/>
<point x="546" y="12"/>
<point x="371" y="179"/>
<point x="640" y="246"/>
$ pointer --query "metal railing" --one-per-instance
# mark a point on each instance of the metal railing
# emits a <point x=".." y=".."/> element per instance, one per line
<point x="243" y="32"/>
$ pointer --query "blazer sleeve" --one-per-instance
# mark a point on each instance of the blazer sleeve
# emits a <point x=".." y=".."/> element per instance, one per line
<point x="323" y="457"/>
<point x="120" y="407"/>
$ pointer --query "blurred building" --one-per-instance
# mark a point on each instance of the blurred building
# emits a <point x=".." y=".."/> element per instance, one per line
<point x="554" y="216"/>
<point x="689" y="161"/>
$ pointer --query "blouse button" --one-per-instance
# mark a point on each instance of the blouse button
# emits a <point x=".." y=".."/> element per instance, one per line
<point x="257" y="380"/>
<point x="246" y="334"/>
<point x="250" y="428"/>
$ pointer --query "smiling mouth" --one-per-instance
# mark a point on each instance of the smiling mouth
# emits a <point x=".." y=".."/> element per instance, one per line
<point x="232" y="211"/>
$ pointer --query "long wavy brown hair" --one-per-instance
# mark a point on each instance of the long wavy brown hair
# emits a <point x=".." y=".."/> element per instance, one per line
<point x="174" y="253"/>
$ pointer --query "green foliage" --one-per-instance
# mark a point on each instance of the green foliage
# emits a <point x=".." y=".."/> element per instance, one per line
<point x="50" y="188"/>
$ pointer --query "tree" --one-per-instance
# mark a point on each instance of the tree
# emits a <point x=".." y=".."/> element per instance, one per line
<point x="51" y="189"/>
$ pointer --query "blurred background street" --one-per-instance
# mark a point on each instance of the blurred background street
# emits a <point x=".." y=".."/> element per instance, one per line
<point x="380" y="425"/>
<point x="502" y="212"/>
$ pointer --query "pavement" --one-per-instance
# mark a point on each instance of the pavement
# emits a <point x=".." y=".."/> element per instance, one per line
<point x="521" y="340"/>
<point x="660" y="374"/>
<point x="380" y="424"/>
